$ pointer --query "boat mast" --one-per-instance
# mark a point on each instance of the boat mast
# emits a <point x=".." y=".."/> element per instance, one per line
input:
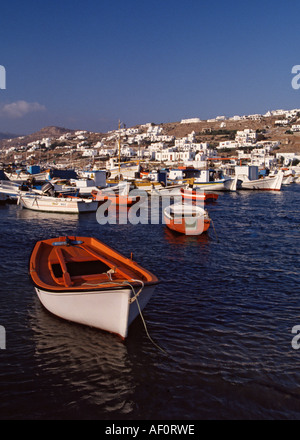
<point x="119" y="149"/>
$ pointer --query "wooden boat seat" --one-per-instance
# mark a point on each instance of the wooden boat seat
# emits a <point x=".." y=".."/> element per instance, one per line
<point x="67" y="270"/>
<point x="65" y="274"/>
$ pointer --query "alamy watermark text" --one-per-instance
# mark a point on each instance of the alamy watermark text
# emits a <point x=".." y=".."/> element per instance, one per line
<point x="2" y="78"/>
<point x="2" y="338"/>
<point x="296" y="78"/>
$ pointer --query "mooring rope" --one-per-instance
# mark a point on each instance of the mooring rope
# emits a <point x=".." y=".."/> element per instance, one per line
<point x="134" y="298"/>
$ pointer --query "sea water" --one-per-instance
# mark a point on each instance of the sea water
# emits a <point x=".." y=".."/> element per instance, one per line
<point x="222" y="321"/>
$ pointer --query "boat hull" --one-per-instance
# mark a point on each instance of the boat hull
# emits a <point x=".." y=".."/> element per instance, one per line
<point x="23" y="177"/>
<point x="171" y="190"/>
<point x="108" y="310"/>
<point x="198" y="196"/>
<point x="264" y="184"/>
<point x="186" y="219"/>
<point x="229" y="184"/>
<point x="58" y="205"/>
<point x="188" y="227"/>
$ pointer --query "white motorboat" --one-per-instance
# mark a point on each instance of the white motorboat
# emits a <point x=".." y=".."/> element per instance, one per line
<point x="13" y="190"/>
<point x="169" y="190"/>
<point x="248" y="179"/>
<point x="209" y="181"/>
<point x="22" y="176"/>
<point x="70" y="205"/>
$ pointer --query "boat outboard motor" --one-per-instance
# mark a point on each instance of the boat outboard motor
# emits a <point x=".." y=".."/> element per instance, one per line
<point x="48" y="189"/>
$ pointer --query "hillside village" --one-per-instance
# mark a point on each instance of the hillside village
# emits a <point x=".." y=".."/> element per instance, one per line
<point x="262" y="140"/>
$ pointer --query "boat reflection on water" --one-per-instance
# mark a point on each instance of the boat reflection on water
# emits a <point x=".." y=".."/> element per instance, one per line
<point x="75" y="360"/>
<point x="173" y="237"/>
<point x="27" y="214"/>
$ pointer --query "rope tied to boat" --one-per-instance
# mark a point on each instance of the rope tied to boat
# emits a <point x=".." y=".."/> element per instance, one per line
<point x="135" y="296"/>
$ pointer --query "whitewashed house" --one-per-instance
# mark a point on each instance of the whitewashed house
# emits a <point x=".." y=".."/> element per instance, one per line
<point x="281" y="122"/>
<point x="246" y="136"/>
<point x="107" y="152"/>
<point x="228" y="145"/>
<point x="190" y="121"/>
<point x="127" y="151"/>
<point x="89" y="153"/>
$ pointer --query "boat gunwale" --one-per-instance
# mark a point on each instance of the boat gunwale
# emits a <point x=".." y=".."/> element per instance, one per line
<point x="101" y="287"/>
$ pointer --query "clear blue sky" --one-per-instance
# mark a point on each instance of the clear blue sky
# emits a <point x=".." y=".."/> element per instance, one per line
<point x="87" y="64"/>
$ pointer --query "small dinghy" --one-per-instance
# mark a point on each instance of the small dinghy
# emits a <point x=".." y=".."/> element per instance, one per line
<point x="198" y="195"/>
<point x="115" y="198"/>
<point x="186" y="219"/>
<point x="83" y="280"/>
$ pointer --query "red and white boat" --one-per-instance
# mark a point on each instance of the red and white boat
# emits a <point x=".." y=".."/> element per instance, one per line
<point x="115" y="198"/>
<point x="186" y="218"/>
<point x="85" y="281"/>
<point x="198" y="195"/>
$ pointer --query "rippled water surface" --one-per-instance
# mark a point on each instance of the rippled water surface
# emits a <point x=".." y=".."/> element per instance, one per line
<point x="224" y="314"/>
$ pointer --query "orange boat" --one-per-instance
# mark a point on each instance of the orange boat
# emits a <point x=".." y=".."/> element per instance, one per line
<point x="115" y="198"/>
<point x="195" y="196"/>
<point x="186" y="219"/>
<point x="83" y="280"/>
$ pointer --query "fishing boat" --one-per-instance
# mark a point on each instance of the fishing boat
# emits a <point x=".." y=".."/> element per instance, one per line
<point x="45" y="203"/>
<point x="10" y="189"/>
<point x="186" y="218"/>
<point x="115" y="199"/>
<point x="248" y="179"/>
<point x="211" y="180"/>
<point x="118" y="195"/>
<point x="198" y="196"/>
<point x="22" y="176"/>
<point x="168" y="190"/>
<point x="83" y="280"/>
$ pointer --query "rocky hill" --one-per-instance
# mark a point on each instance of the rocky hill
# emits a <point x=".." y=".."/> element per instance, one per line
<point x="46" y="132"/>
<point x="212" y="132"/>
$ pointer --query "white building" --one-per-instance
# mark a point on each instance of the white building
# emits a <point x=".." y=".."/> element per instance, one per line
<point x="127" y="151"/>
<point x="281" y="122"/>
<point x="170" y="155"/>
<point x="89" y="153"/>
<point x="228" y="145"/>
<point x="107" y="152"/>
<point x="246" y="136"/>
<point x="190" y="121"/>
<point x="154" y="129"/>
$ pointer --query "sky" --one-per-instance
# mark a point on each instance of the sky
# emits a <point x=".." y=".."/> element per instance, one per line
<point x="88" y="64"/>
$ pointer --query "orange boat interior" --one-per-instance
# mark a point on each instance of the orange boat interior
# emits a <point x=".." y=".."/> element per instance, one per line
<point x="83" y="264"/>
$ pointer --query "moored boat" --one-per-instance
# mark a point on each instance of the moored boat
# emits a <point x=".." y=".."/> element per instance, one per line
<point x="118" y="195"/>
<point x="85" y="281"/>
<point x="22" y="176"/>
<point x="168" y="190"/>
<point x="10" y="189"/>
<point x="211" y="180"/>
<point x="44" y="203"/>
<point x="198" y="195"/>
<point x="114" y="198"/>
<point x="268" y="183"/>
<point x="186" y="218"/>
